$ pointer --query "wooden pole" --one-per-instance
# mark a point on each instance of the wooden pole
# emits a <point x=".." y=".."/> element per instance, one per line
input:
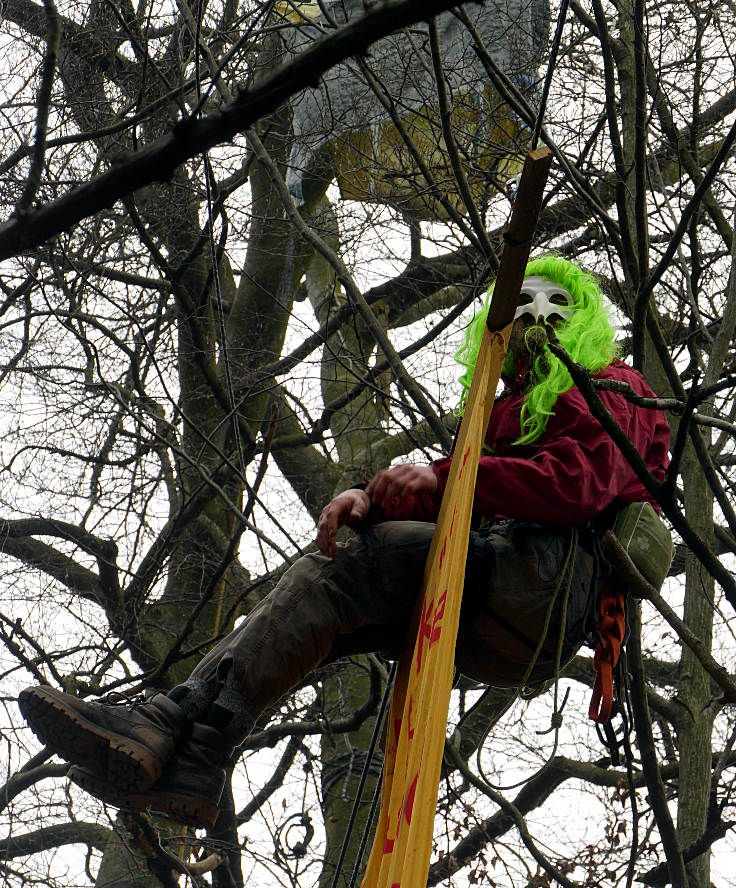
<point x="418" y="718"/>
<point x="518" y="238"/>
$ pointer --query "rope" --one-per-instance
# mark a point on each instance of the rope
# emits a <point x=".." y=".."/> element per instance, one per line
<point x="342" y="767"/>
<point x="363" y="778"/>
<point x="221" y="316"/>
<point x="551" y="63"/>
<point x="366" y="833"/>
<point x="629" y="756"/>
<point x="208" y="181"/>
<point x="556" y="719"/>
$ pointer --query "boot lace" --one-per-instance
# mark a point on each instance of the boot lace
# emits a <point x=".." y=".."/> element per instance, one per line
<point x="118" y="698"/>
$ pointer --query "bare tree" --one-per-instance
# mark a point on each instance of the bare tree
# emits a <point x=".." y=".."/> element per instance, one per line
<point x="233" y="288"/>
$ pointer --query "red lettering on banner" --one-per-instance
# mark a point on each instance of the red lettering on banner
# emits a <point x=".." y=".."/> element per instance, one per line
<point x="425" y="630"/>
<point x="388" y="844"/>
<point x="443" y="551"/>
<point x="409" y="805"/>
<point x="409" y="728"/>
<point x="430" y="626"/>
<point x="465" y="459"/>
<point x="437" y="619"/>
<point x="452" y="523"/>
<point x="406" y="810"/>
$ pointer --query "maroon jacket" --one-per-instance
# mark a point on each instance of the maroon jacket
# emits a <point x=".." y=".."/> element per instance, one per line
<point x="573" y="473"/>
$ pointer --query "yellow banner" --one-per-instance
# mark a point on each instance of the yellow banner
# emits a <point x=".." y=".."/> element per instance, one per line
<point x="421" y="697"/>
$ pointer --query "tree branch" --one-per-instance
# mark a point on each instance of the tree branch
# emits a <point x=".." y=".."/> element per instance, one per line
<point x="158" y="160"/>
<point x="53" y="837"/>
<point x="534" y="793"/>
<point x="659" y="875"/>
<point x="53" y="34"/>
<point x="650" y="765"/>
<point x="354" y="294"/>
<point x="581" y="378"/>
<point x="32" y="19"/>
<point x="21" y="780"/>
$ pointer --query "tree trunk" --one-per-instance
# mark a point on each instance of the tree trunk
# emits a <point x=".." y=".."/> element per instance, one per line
<point x="343" y="758"/>
<point x="694" y="731"/>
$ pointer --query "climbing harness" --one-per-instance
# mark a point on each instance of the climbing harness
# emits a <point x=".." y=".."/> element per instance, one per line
<point x="551" y="62"/>
<point x="415" y="739"/>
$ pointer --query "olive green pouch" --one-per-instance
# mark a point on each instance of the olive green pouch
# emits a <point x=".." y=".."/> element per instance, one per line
<point x="646" y="540"/>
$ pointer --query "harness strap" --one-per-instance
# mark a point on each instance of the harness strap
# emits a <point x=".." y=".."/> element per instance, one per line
<point x="607" y="651"/>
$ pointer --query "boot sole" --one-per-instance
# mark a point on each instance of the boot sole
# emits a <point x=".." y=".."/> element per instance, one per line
<point x="126" y="763"/>
<point x="186" y="809"/>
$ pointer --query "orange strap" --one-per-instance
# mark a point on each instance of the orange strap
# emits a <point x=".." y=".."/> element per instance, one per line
<point x="607" y="652"/>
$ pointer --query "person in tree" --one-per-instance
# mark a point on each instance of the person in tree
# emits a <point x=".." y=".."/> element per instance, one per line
<point x="550" y="481"/>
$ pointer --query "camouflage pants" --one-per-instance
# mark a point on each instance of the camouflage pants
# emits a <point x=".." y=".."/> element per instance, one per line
<point x="321" y="609"/>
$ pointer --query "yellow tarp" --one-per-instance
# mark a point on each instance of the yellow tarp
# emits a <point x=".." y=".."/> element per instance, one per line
<point x="373" y="164"/>
<point x="376" y="165"/>
<point x="418" y="717"/>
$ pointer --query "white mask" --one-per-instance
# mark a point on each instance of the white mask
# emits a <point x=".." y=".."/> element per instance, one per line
<point x="542" y="298"/>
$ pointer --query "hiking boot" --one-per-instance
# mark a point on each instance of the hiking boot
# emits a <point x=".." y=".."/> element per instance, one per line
<point x="126" y="743"/>
<point x="188" y="789"/>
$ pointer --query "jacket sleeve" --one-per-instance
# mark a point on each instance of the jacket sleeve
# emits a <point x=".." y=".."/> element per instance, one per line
<point x="573" y="475"/>
<point x="406" y="508"/>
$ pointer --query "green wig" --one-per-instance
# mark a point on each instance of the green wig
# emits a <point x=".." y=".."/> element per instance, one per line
<point x="587" y="336"/>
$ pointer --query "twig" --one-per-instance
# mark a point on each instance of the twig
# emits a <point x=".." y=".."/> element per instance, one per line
<point x="147" y="840"/>
<point x="510" y="94"/>
<point x="614" y="132"/>
<point x="21" y="780"/>
<point x="658" y="875"/>
<point x="38" y="156"/>
<point x="243" y="524"/>
<point x="641" y="231"/>
<point x="272" y="735"/>
<point x="650" y="766"/>
<point x="451" y="144"/>
<point x="274" y="781"/>
<point x="354" y="294"/>
<point x="437" y="193"/>
<point x="513" y="812"/>
<point x="158" y="160"/>
<point x="692" y="207"/>
<point x="581" y="377"/>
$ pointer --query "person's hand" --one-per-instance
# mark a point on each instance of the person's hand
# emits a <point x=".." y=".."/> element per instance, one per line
<point x="401" y="481"/>
<point x="349" y="506"/>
